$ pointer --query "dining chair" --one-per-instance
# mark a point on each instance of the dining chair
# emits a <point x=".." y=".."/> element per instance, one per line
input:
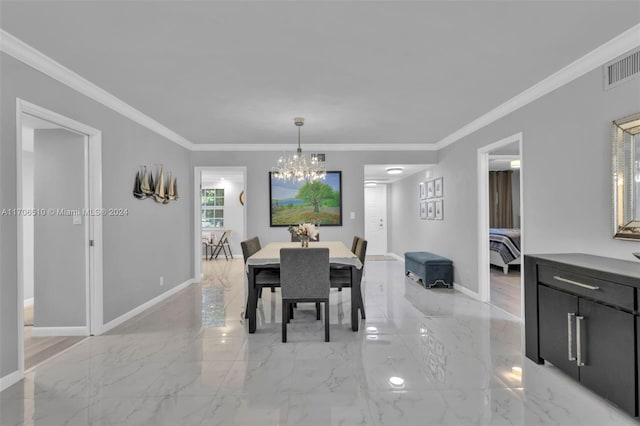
<point x="354" y="245"/>
<point x="304" y="277"/>
<point x="208" y="243"/>
<point x="223" y="245"/>
<point x="265" y="277"/>
<point x="342" y="277"/>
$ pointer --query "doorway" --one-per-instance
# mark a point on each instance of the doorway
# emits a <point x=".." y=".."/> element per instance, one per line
<point x="500" y="228"/>
<point x="59" y="244"/>
<point x="375" y="219"/>
<point x="220" y="208"/>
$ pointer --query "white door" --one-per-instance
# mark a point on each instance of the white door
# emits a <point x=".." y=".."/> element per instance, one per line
<point x="375" y="219"/>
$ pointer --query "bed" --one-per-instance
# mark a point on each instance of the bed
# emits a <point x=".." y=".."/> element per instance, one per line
<point x="504" y="247"/>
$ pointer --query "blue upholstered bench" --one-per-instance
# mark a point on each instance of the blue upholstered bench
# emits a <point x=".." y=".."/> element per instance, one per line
<point x="430" y="268"/>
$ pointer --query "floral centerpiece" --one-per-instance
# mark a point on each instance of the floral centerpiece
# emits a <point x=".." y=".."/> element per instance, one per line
<point x="304" y="232"/>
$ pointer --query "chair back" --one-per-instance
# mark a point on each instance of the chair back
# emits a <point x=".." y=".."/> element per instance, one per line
<point x="361" y="251"/>
<point x="304" y="273"/>
<point x="250" y="247"/>
<point x="354" y="245"/>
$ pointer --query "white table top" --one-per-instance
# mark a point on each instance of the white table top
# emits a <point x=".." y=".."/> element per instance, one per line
<point x="338" y="253"/>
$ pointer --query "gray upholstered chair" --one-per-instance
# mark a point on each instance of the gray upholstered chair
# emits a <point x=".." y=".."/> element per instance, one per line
<point x="264" y="278"/>
<point x="342" y="277"/>
<point x="304" y="277"/>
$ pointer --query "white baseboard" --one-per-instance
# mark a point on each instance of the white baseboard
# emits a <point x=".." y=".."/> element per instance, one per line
<point x="135" y="311"/>
<point x="400" y="258"/>
<point x="10" y="379"/>
<point x="59" y="331"/>
<point x="28" y="302"/>
<point x="464" y="290"/>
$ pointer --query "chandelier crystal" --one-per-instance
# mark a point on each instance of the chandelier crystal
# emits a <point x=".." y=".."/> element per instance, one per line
<point x="296" y="166"/>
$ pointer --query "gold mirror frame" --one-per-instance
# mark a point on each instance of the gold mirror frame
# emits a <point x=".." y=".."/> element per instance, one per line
<point x="626" y="178"/>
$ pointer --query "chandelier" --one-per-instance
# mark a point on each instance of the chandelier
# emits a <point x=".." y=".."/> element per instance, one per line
<point x="296" y="166"/>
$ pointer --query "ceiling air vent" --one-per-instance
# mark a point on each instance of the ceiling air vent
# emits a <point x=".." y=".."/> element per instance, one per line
<point x="622" y="69"/>
<point x="319" y="157"/>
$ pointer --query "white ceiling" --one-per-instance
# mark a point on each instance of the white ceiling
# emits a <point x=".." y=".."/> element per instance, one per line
<point x="359" y="72"/>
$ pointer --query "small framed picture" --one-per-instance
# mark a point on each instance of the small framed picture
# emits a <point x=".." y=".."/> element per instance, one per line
<point x="431" y="210"/>
<point x="438" y="207"/>
<point x="430" y="189"/>
<point x="438" y="188"/>
<point x="423" y="209"/>
<point x="422" y="190"/>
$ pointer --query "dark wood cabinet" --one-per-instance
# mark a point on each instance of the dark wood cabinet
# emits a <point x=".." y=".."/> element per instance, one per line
<point x="581" y="315"/>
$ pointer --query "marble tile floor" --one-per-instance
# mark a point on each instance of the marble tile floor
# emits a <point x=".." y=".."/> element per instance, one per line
<point x="422" y="357"/>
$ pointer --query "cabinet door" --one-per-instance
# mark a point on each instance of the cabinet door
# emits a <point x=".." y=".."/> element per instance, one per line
<point x="553" y="307"/>
<point x="608" y="347"/>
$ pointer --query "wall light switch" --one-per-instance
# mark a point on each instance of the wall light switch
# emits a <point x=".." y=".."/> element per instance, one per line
<point x="352" y="215"/>
<point x="77" y="220"/>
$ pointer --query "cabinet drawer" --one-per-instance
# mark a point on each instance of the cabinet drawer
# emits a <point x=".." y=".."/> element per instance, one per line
<point x="603" y="291"/>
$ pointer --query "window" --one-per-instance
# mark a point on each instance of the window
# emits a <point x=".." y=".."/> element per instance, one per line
<point x="213" y="208"/>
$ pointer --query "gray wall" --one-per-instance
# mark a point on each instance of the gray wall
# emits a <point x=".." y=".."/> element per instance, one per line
<point x="152" y="241"/>
<point x="566" y="164"/>
<point x="59" y="255"/>
<point x="350" y="163"/>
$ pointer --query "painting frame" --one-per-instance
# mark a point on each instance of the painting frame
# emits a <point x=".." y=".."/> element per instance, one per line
<point x="430" y="189"/>
<point x="423" y="209"/>
<point x="431" y="210"/>
<point x="439" y="210"/>
<point x="281" y="196"/>
<point x="438" y="187"/>
<point x="422" y="190"/>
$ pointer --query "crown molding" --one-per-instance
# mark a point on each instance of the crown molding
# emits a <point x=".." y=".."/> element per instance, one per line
<point x="615" y="47"/>
<point x="329" y="147"/>
<point x="32" y="57"/>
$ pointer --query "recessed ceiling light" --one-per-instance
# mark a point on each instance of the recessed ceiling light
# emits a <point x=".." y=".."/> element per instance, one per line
<point x="515" y="164"/>
<point x="396" y="382"/>
<point x="394" y="170"/>
<point x="370" y="183"/>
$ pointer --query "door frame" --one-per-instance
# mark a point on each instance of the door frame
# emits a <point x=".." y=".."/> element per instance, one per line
<point x="483" y="215"/>
<point x="93" y="226"/>
<point x="197" y="214"/>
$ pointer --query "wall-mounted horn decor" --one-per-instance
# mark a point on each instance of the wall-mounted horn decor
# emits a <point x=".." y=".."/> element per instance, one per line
<point x="161" y="190"/>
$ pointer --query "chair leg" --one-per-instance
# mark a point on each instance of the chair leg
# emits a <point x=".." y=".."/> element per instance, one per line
<point x="361" y="302"/>
<point x="273" y="289"/>
<point x="285" y="320"/>
<point x="290" y="309"/>
<point x="326" y="320"/>
<point x="317" y="311"/>
<point x="260" y="293"/>
<point x="339" y="288"/>
<point x="246" y="309"/>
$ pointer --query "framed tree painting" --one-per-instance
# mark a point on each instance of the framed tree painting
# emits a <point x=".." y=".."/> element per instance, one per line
<point x="295" y="202"/>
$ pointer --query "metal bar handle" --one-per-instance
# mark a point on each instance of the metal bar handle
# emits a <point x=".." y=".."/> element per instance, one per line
<point x="590" y="287"/>
<point x="580" y="359"/>
<point x="570" y="317"/>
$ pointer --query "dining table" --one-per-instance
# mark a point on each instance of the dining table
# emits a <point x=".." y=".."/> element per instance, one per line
<point x="268" y="257"/>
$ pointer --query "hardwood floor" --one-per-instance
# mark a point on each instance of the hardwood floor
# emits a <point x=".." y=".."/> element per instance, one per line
<point x="505" y="289"/>
<point x="38" y="349"/>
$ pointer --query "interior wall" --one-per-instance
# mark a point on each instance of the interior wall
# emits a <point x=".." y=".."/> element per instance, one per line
<point x="149" y="242"/>
<point x="566" y="166"/>
<point x="351" y="164"/>
<point x="59" y="256"/>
